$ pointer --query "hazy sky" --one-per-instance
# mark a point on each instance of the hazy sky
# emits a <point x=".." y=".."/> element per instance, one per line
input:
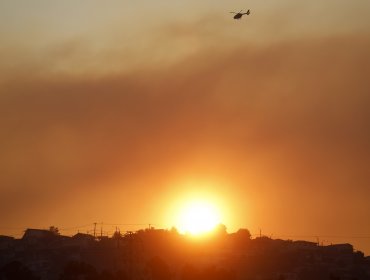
<point x="118" y="111"/>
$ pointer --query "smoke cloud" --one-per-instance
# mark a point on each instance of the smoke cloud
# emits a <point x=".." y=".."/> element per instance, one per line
<point x="290" y="119"/>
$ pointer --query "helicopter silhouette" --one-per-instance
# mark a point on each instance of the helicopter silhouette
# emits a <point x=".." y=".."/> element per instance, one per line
<point x="240" y="14"/>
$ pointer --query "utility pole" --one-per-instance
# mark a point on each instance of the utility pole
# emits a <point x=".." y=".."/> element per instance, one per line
<point x="260" y="233"/>
<point x="95" y="230"/>
<point x="130" y="236"/>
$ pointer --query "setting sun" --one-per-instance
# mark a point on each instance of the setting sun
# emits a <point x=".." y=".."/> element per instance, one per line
<point x="198" y="218"/>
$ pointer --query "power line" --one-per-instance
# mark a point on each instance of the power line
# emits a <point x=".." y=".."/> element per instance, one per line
<point x="118" y="224"/>
<point x="92" y="227"/>
<point x="76" y="227"/>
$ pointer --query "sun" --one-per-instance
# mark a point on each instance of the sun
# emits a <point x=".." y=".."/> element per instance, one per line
<point x="198" y="217"/>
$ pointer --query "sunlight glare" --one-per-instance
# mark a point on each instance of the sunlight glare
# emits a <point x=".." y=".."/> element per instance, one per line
<point x="198" y="218"/>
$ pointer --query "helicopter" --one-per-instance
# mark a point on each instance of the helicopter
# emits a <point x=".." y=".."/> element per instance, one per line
<point x="240" y="14"/>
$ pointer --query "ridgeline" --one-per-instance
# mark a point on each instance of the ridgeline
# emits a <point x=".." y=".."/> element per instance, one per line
<point x="156" y="254"/>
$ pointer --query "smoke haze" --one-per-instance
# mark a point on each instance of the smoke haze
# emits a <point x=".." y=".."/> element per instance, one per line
<point x="283" y="124"/>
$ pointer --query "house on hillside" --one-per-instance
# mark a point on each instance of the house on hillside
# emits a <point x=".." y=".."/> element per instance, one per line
<point x="40" y="237"/>
<point x="7" y="245"/>
<point x="31" y="234"/>
<point x="82" y="240"/>
<point x="304" y="245"/>
<point x="6" y="242"/>
<point x="340" y="248"/>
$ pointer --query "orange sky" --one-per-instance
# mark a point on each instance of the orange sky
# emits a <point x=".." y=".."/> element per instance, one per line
<point x="115" y="112"/>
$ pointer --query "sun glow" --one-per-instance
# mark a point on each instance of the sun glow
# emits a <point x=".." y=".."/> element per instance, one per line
<point x="198" y="218"/>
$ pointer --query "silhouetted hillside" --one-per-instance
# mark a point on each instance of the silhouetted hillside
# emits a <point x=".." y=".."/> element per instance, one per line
<point x="165" y="255"/>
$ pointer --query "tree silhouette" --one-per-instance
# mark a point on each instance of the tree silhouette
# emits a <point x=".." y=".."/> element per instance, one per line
<point x="220" y="230"/>
<point x="241" y="239"/>
<point x="244" y="234"/>
<point x="54" y="230"/>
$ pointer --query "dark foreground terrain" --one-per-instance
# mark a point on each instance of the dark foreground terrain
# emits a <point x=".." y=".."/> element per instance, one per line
<point x="166" y="255"/>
